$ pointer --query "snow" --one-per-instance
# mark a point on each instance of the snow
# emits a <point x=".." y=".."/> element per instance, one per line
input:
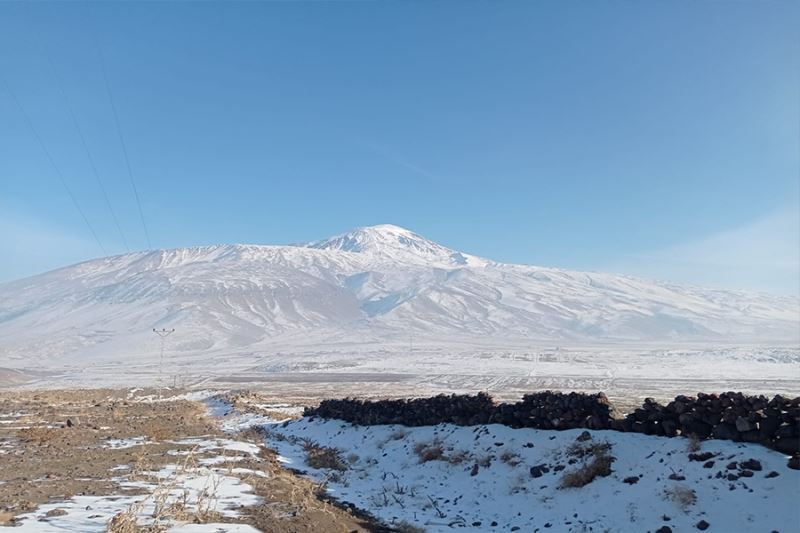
<point x="130" y="442"/>
<point x="377" y="300"/>
<point x="202" y="488"/>
<point x="386" y="478"/>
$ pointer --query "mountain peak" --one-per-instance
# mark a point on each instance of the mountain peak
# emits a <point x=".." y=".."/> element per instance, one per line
<point x="397" y="243"/>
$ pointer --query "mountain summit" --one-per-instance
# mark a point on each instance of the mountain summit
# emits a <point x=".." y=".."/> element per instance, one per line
<point x="371" y="286"/>
<point x="398" y="244"/>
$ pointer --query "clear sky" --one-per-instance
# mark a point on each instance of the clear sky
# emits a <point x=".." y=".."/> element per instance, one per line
<point x="660" y="139"/>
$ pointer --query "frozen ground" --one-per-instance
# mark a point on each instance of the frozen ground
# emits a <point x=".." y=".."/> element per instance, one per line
<point x="190" y="487"/>
<point x="494" y="478"/>
<point x="624" y="372"/>
<point x="382" y="310"/>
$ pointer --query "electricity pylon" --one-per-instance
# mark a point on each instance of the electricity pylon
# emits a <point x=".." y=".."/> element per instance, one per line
<point x="163" y="334"/>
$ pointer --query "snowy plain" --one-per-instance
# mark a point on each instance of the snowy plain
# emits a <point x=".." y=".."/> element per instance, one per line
<point x="384" y="310"/>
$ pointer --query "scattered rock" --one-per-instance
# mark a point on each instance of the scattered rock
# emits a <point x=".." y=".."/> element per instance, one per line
<point x="751" y="464"/>
<point x="631" y="480"/>
<point x="702" y="525"/>
<point x="539" y="470"/>
<point x="705" y="456"/>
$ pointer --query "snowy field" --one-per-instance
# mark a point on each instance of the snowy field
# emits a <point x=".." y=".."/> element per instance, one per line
<point x="189" y="487"/>
<point x="494" y="478"/>
<point x="384" y="311"/>
<point x="624" y="373"/>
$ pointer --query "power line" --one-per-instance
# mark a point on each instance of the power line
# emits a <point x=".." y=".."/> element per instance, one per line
<point x="78" y="128"/>
<point x="122" y="142"/>
<point x="52" y="162"/>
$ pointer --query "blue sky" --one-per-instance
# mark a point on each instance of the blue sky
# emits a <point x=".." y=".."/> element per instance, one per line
<point x="657" y="139"/>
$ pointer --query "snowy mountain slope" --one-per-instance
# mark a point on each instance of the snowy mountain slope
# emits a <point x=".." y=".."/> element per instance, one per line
<point x="383" y="281"/>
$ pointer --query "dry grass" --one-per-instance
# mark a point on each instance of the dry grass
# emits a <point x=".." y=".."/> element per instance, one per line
<point x="125" y="521"/>
<point x="682" y="495"/>
<point x="510" y="458"/>
<point x="398" y="434"/>
<point x="596" y="463"/>
<point x="581" y="450"/>
<point x="429" y="451"/>
<point x="693" y="443"/>
<point x="406" y="527"/>
<point x="38" y="435"/>
<point x="322" y="457"/>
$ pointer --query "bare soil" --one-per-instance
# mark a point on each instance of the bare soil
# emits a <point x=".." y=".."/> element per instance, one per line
<point x="54" y="445"/>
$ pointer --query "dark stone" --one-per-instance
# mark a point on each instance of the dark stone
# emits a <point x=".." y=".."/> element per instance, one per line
<point x="772" y="474"/>
<point x="705" y="456"/>
<point x="702" y="525"/>
<point x="746" y="473"/>
<point x="584" y="436"/>
<point x="787" y="445"/>
<point x="743" y="424"/>
<point x="539" y="470"/>
<point x="768" y="426"/>
<point x="664" y="529"/>
<point x="794" y="462"/>
<point x="708" y="464"/>
<point x="725" y="431"/>
<point x="631" y="480"/>
<point x="751" y="464"/>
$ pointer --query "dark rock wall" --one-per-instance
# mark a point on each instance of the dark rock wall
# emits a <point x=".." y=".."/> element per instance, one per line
<point x="731" y="416"/>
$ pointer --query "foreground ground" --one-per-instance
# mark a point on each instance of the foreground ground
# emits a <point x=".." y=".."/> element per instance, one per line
<point x="203" y="462"/>
<point x="84" y="461"/>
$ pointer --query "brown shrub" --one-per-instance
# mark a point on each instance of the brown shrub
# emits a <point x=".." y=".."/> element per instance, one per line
<point x="683" y="496"/>
<point x="407" y="527"/>
<point x="429" y="451"/>
<point x="323" y="457"/>
<point x="510" y="458"/>
<point x="597" y="463"/>
<point x="37" y="435"/>
<point x="693" y="443"/>
<point x="580" y="450"/>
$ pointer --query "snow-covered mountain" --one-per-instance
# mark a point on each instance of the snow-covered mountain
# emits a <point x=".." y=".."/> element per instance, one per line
<point x="372" y="284"/>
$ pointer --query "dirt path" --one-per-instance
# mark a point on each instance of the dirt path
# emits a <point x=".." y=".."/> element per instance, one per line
<point x="56" y="445"/>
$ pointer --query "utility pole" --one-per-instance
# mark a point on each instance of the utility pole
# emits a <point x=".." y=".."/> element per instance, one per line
<point x="163" y="334"/>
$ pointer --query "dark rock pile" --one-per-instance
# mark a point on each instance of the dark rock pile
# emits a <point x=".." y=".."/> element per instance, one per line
<point x="729" y="416"/>
<point x="543" y="410"/>
<point x="556" y="410"/>
<point x="463" y="410"/>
